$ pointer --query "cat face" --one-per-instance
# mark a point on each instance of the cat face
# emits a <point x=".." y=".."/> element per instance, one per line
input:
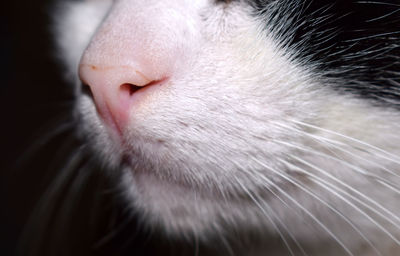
<point x="256" y="114"/>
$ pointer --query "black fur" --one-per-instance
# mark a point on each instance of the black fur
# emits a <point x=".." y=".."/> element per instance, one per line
<point x="355" y="44"/>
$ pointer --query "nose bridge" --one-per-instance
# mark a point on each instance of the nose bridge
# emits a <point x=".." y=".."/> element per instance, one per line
<point x="154" y="34"/>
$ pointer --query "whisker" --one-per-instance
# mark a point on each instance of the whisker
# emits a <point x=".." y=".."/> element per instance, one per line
<point x="227" y="245"/>
<point x="312" y="216"/>
<point x="351" y="166"/>
<point x="336" y="144"/>
<point x="354" y="191"/>
<point x="394" y="158"/>
<point x="196" y="246"/>
<point x="73" y="195"/>
<point x="389" y="186"/>
<point x="331" y="207"/>
<point x="46" y="206"/>
<point x="267" y="215"/>
<point x="356" y="199"/>
<point x="38" y="144"/>
<point x="359" y="210"/>
<point x="281" y="222"/>
<point x="378" y="3"/>
<point x="113" y="234"/>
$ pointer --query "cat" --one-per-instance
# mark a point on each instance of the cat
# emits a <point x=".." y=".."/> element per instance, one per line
<point x="243" y="127"/>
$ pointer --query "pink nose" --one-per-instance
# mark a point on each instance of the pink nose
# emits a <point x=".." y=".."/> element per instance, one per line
<point x="136" y="47"/>
<point x="114" y="89"/>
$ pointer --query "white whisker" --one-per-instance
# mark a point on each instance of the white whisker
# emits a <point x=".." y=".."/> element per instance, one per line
<point x="323" y="184"/>
<point x="356" y="192"/>
<point x="351" y="166"/>
<point x="287" y="206"/>
<point x="354" y="198"/>
<point x="267" y="215"/>
<point x="395" y="158"/>
<point x="312" y="216"/>
<point x="339" y="146"/>
<point x="347" y="220"/>
<point x="389" y="186"/>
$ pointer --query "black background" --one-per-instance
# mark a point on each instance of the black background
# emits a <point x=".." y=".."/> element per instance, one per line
<point x="31" y="97"/>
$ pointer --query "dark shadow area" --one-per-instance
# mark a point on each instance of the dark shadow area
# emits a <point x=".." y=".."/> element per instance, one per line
<point x="31" y="97"/>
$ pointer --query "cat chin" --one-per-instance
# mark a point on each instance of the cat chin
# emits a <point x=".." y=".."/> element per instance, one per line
<point x="178" y="210"/>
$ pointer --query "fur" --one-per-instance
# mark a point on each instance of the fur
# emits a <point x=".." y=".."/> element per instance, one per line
<point x="279" y="122"/>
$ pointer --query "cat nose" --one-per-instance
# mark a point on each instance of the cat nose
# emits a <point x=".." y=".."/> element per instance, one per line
<point x="136" y="48"/>
<point x="115" y="89"/>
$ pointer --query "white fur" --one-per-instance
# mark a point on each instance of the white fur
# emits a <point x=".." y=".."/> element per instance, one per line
<point x="232" y="114"/>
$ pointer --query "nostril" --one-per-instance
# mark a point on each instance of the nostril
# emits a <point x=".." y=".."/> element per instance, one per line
<point x="85" y="89"/>
<point x="130" y="88"/>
